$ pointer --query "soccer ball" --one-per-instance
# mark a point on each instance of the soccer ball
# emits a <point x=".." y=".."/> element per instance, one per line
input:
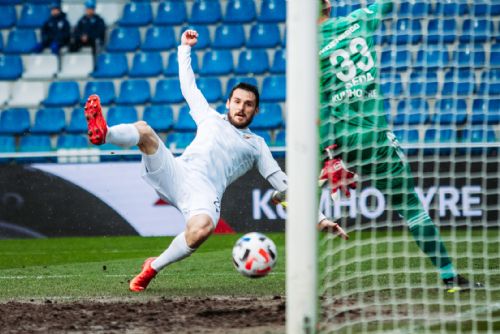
<point x="254" y="255"/>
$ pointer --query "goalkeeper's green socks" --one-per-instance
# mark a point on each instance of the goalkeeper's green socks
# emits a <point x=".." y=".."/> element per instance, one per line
<point x="429" y="241"/>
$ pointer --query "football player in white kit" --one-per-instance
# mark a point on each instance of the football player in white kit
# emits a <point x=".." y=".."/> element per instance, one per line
<point x="223" y="150"/>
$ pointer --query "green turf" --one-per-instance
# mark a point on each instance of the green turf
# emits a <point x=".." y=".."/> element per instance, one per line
<point x="100" y="267"/>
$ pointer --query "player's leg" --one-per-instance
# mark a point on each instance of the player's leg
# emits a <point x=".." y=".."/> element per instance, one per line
<point x="393" y="176"/>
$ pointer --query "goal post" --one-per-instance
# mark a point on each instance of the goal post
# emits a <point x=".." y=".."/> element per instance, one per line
<point x="301" y="165"/>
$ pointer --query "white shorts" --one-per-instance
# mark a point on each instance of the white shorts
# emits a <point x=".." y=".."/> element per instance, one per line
<point x="175" y="184"/>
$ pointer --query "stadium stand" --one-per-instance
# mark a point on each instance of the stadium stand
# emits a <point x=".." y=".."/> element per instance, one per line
<point x="439" y="60"/>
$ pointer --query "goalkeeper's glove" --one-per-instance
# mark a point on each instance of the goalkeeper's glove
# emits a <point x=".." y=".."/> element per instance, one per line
<point x="279" y="197"/>
<point x="335" y="173"/>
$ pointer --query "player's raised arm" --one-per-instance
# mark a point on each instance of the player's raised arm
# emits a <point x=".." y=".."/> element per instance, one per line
<point x="195" y="99"/>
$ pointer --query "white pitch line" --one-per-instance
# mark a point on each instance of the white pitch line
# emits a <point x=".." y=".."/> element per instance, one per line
<point x="15" y="277"/>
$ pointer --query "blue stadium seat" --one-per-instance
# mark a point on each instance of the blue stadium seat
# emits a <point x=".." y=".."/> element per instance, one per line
<point x="185" y="122"/>
<point x="62" y="94"/>
<point x="380" y="36"/>
<point x="211" y="88"/>
<point x="8" y="17"/>
<point x="124" y="39"/>
<point x="423" y="84"/>
<point x="171" y="12"/>
<point x="233" y="81"/>
<point x="205" y="12"/>
<point x="414" y="9"/>
<point x="49" y="121"/>
<point x="480" y="9"/>
<point x="1" y="42"/>
<point x="77" y="123"/>
<point x="405" y="31"/>
<point x="432" y="57"/>
<point x="11" y="2"/>
<point x="21" y="41"/>
<point x="272" y="11"/>
<point x="440" y="135"/>
<point x="146" y="64"/>
<point x="72" y="141"/>
<point x="172" y="69"/>
<point x="280" y="139"/>
<point x="477" y="30"/>
<point x="490" y="82"/>
<point x="269" y="117"/>
<point x="229" y="36"/>
<point x="451" y="8"/>
<point x="240" y="11"/>
<point x="252" y="62"/>
<point x="486" y="111"/>
<point x="167" y="91"/>
<point x="264" y="35"/>
<point x="134" y="91"/>
<point x="159" y="39"/>
<point x="494" y="8"/>
<point x="136" y="14"/>
<point x="35" y="143"/>
<point x="342" y="9"/>
<point x="469" y="56"/>
<point x="395" y="59"/>
<point x="391" y="84"/>
<point x="105" y="90"/>
<point x="33" y="16"/>
<point x="412" y="112"/>
<point x="221" y="109"/>
<point x="204" y="40"/>
<point x="11" y="67"/>
<point x="274" y="89"/>
<point x="279" y="62"/>
<point x="495" y="55"/>
<point x="478" y="135"/>
<point x="217" y="62"/>
<point x="407" y="136"/>
<point x="450" y="112"/>
<point x="7" y="145"/>
<point x="458" y="83"/>
<point x="180" y="140"/>
<point x="111" y="65"/>
<point x="441" y="31"/>
<point x="14" y="121"/>
<point x="121" y="115"/>
<point x="159" y="117"/>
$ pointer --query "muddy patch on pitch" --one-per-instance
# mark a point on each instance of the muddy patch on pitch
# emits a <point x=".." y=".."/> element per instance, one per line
<point x="180" y="315"/>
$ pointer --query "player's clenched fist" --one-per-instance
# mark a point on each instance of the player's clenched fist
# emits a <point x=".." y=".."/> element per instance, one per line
<point x="189" y="37"/>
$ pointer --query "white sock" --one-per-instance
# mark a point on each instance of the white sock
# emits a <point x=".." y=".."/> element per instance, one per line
<point x="177" y="251"/>
<point x="125" y="135"/>
<point x="154" y="161"/>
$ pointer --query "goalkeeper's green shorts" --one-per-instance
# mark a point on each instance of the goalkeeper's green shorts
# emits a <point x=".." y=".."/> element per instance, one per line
<point x="377" y="157"/>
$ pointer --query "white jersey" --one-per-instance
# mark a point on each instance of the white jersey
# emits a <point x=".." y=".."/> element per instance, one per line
<point x="220" y="153"/>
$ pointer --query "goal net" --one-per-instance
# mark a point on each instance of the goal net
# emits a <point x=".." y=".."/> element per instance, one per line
<point x="410" y="94"/>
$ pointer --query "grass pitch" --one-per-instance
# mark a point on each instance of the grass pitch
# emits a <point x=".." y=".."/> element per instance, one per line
<point x="75" y="268"/>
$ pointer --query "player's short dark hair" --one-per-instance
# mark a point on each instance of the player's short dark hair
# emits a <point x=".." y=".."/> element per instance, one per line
<point x="247" y="87"/>
<point x="325" y="7"/>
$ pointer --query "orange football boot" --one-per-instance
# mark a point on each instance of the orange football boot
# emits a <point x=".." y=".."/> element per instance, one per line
<point x="141" y="281"/>
<point x="96" y="124"/>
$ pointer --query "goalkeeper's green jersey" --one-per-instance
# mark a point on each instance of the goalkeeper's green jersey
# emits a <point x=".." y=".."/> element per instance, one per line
<point x="349" y="94"/>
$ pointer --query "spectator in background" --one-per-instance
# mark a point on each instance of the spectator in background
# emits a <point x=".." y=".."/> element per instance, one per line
<point x="90" y="29"/>
<point x="56" y="31"/>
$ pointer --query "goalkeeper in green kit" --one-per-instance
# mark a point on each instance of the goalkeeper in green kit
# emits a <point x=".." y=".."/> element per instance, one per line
<point x="353" y="129"/>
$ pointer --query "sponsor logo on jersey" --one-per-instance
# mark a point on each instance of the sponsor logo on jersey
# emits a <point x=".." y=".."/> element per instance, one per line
<point x="340" y="38"/>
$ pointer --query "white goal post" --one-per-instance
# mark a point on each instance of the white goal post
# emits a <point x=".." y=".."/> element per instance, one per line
<point x="301" y="166"/>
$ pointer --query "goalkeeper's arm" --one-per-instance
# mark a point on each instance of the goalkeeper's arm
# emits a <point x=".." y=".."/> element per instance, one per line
<point x="279" y="181"/>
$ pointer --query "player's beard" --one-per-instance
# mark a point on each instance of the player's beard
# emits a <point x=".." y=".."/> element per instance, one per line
<point x="240" y="125"/>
